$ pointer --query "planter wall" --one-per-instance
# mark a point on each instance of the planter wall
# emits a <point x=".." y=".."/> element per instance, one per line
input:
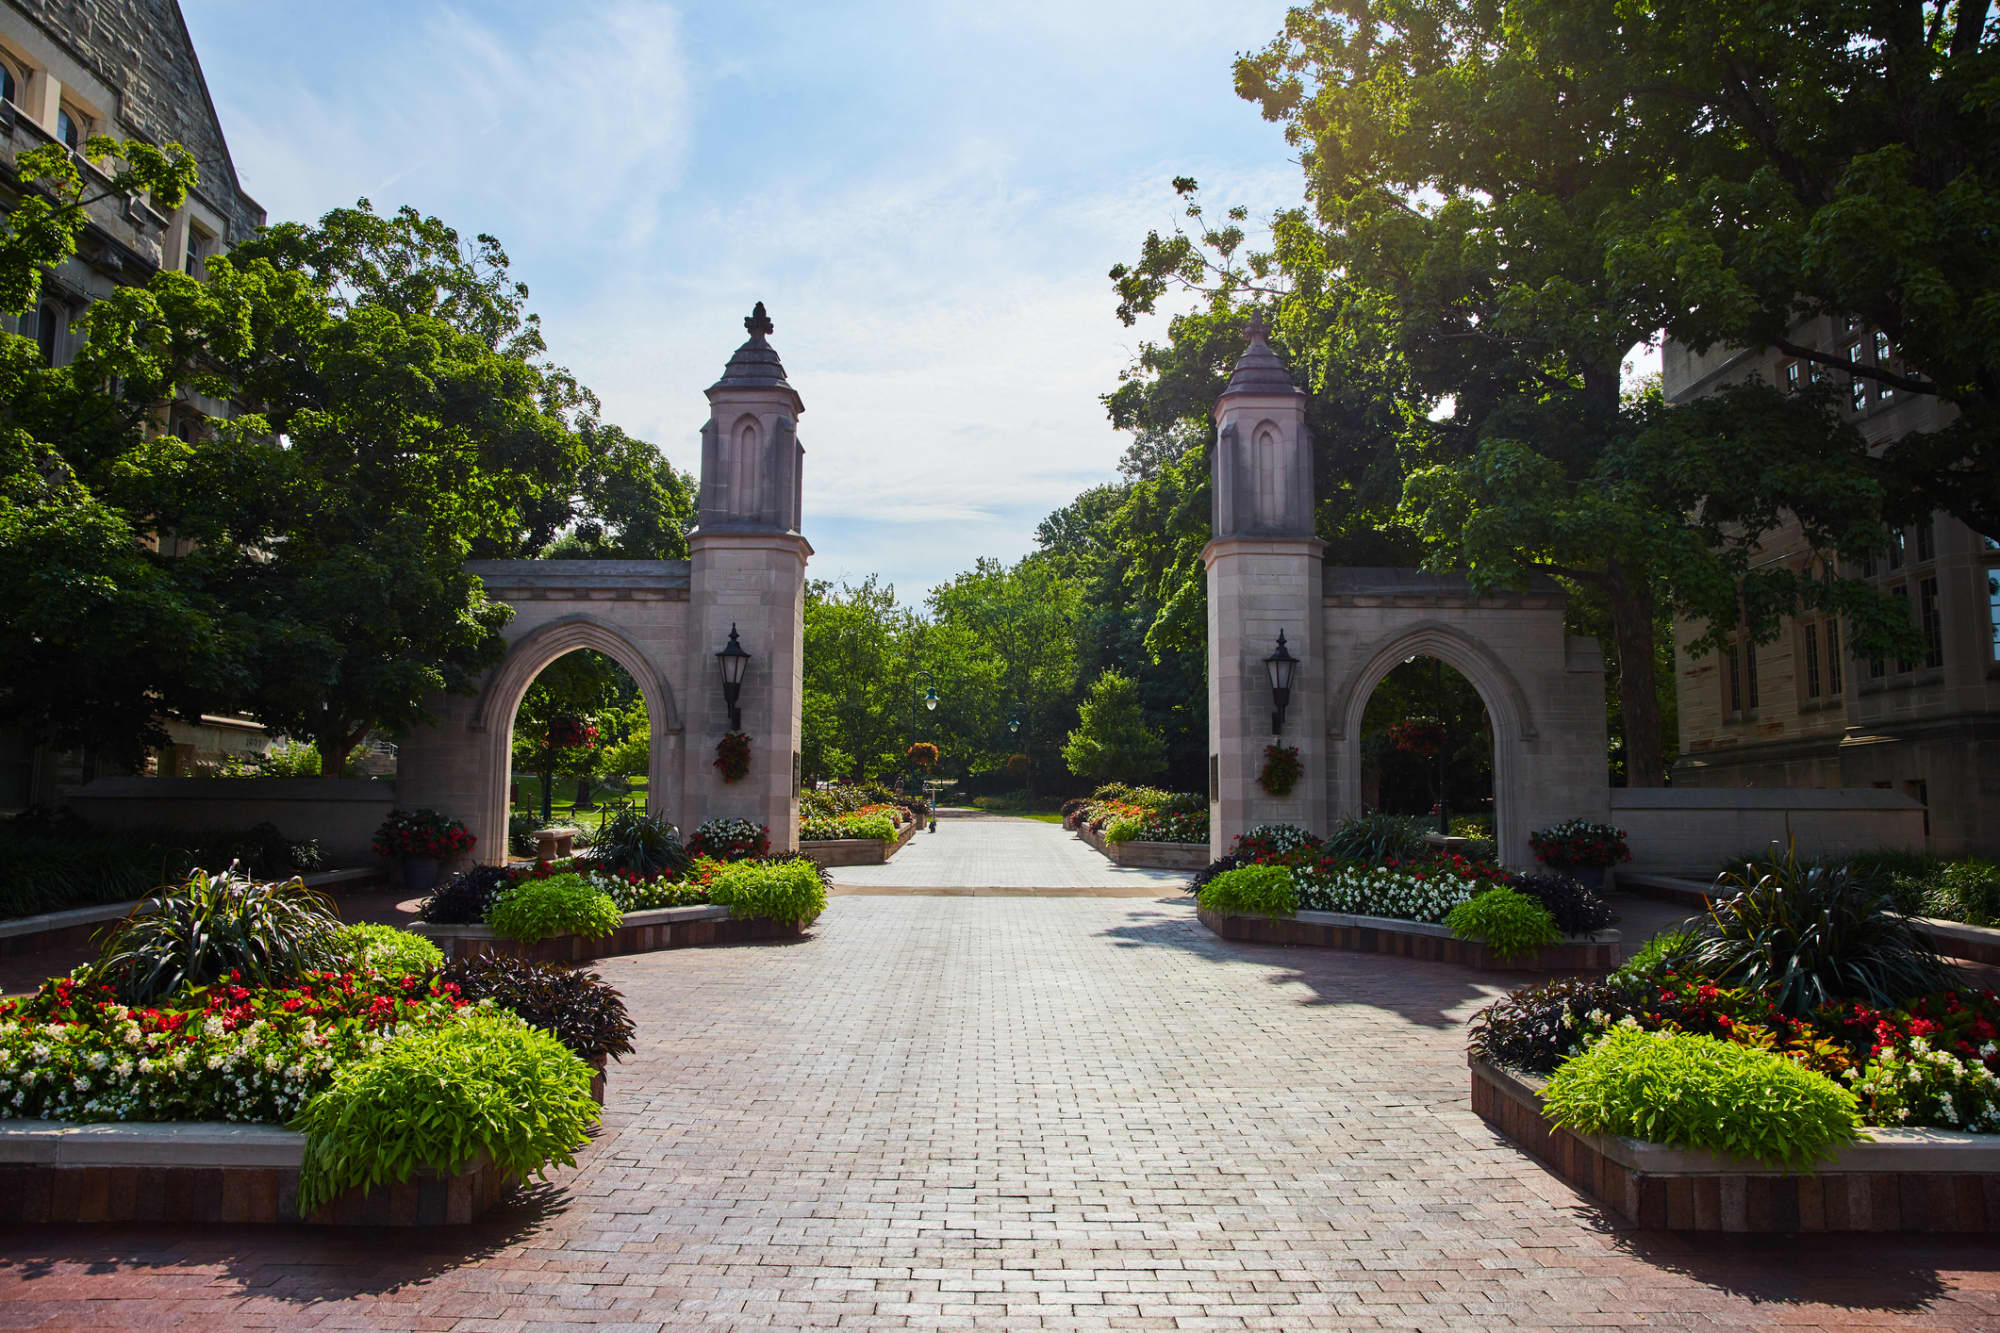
<point x="642" y="932"/>
<point x="1147" y="855"/>
<point x="857" y="851"/>
<point x="1906" y="1180"/>
<point x="1409" y="939"/>
<point x="1694" y="828"/>
<point x="205" y="1172"/>
<point x="1953" y="939"/>
<point x="80" y="927"/>
<point x="341" y="812"/>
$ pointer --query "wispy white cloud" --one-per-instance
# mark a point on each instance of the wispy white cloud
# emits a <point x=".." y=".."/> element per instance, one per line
<point x="927" y="195"/>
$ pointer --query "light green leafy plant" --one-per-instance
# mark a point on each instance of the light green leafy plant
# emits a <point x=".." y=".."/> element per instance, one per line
<point x="788" y="891"/>
<point x="1690" y="1091"/>
<point x="535" y="909"/>
<point x="1511" y="924"/>
<point x="1662" y="951"/>
<point x="1255" y="890"/>
<point x="436" y="1100"/>
<point x="388" y="949"/>
<point x="1123" y="830"/>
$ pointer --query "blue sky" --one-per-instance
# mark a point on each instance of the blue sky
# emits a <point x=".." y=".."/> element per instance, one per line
<point x="926" y="196"/>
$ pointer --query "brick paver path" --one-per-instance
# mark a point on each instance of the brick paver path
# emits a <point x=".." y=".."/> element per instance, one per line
<point x="1018" y="1112"/>
<point x="976" y="850"/>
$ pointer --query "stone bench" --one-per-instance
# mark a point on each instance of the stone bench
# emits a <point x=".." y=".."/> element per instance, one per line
<point x="557" y="843"/>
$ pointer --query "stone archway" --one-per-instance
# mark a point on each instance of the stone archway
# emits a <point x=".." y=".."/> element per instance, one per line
<point x="1347" y="627"/>
<point x="1543" y="689"/>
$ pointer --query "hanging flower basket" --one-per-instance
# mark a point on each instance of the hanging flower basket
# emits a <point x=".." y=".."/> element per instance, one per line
<point x="569" y="731"/>
<point x="732" y="756"/>
<point x="923" y="754"/>
<point x="1282" y="769"/>
<point x="1419" y="736"/>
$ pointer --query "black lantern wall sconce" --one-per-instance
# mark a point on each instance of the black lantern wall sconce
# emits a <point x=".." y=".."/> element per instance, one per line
<point x="733" y="661"/>
<point x="1280" y="664"/>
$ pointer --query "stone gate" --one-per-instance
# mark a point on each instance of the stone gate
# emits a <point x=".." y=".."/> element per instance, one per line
<point x="664" y="621"/>
<point x="1543" y="689"/>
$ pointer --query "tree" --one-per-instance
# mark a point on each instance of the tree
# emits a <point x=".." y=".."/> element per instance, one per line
<point x="556" y="730"/>
<point x="857" y="679"/>
<point x="1111" y="741"/>
<point x="1468" y="207"/>
<point x="99" y="640"/>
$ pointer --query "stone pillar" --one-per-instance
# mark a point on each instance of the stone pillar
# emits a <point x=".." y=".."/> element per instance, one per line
<point x="748" y="574"/>
<point x="1264" y="576"/>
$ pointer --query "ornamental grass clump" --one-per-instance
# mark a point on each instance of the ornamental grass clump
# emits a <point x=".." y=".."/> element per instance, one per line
<point x="1251" y="890"/>
<point x="1511" y="924"/>
<point x="1372" y="837"/>
<point x="1812" y="935"/>
<point x="436" y="1100"/>
<point x="215" y="926"/>
<point x="537" y="908"/>
<point x="790" y="891"/>
<point x="371" y="946"/>
<point x="1690" y="1091"/>
<point x="638" y="843"/>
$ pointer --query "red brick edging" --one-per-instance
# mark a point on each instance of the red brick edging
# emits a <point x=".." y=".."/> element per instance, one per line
<point x="1408" y="939"/>
<point x="1652" y="1186"/>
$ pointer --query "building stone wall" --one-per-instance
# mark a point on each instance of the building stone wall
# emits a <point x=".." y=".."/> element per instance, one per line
<point x="1777" y="715"/>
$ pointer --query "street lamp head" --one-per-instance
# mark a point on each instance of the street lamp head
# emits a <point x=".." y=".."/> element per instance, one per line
<point x="1280" y="665"/>
<point x="1014" y="725"/>
<point x="931" y="699"/>
<point x="733" y="661"/>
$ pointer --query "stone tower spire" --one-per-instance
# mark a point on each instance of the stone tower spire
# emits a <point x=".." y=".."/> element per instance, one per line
<point x="748" y="575"/>
<point x="1263" y="563"/>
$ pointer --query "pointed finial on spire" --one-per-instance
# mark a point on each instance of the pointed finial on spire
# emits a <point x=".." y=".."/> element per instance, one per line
<point x="1256" y="330"/>
<point x="759" y="324"/>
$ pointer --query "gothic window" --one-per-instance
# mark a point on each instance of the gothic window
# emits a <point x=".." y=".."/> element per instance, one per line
<point x="1927" y="539"/>
<point x="1857" y="388"/>
<point x="1903" y="664"/>
<point x="1270" y="500"/>
<point x="1812" y="660"/>
<point x="71" y="128"/>
<point x="1883" y="392"/>
<point x="48" y="324"/>
<point x="10" y="87"/>
<point x="747" y="470"/>
<point x="1792" y="376"/>
<point x="1932" y="620"/>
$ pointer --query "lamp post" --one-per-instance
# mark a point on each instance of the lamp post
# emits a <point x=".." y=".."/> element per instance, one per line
<point x="1280" y="664"/>
<point x="733" y="661"/>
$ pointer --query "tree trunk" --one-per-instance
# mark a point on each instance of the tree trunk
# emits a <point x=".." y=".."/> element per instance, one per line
<point x="1631" y="604"/>
<point x="335" y="744"/>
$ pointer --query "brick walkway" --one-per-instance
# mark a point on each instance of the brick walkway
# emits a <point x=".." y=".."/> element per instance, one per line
<point x="972" y="849"/>
<point x="1019" y="1112"/>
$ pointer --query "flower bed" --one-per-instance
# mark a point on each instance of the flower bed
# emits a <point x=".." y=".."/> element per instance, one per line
<point x="859" y="839"/>
<point x="1770" y="1039"/>
<point x="1120" y="813"/>
<point x="383" y="1090"/>
<point x="582" y="912"/>
<point x="1280" y="884"/>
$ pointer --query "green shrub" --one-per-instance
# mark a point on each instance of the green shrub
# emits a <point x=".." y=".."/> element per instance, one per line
<point x="1664" y="950"/>
<point x="1263" y="890"/>
<point x="1812" y="935"/>
<point x="1508" y="922"/>
<point x="879" y="827"/>
<point x="1967" y="891"/>
<point x="1374" y="837"/>
<point x="51" y="861"/>
<point x="289" y="759"/>
<point x="201" y="931"/>
<point x="1892" y="872"/>
<point x="435" y="1100"/>
<point x="388" y="949"/>
<point x="1690" y="1091"/>
<point x="788" y="891"/>
<point x="578" y="1008"/>
<point x="535" y="909"/>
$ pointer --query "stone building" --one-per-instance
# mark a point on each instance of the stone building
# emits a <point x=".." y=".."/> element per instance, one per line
<point x="126" y="68"/>
<point x="1801" y="711"/>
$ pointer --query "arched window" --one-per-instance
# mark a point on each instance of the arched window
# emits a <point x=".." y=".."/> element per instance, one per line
<point x="69" y="128"/>
<point x="46" y="320"/>
<point x="10" y="87"/>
